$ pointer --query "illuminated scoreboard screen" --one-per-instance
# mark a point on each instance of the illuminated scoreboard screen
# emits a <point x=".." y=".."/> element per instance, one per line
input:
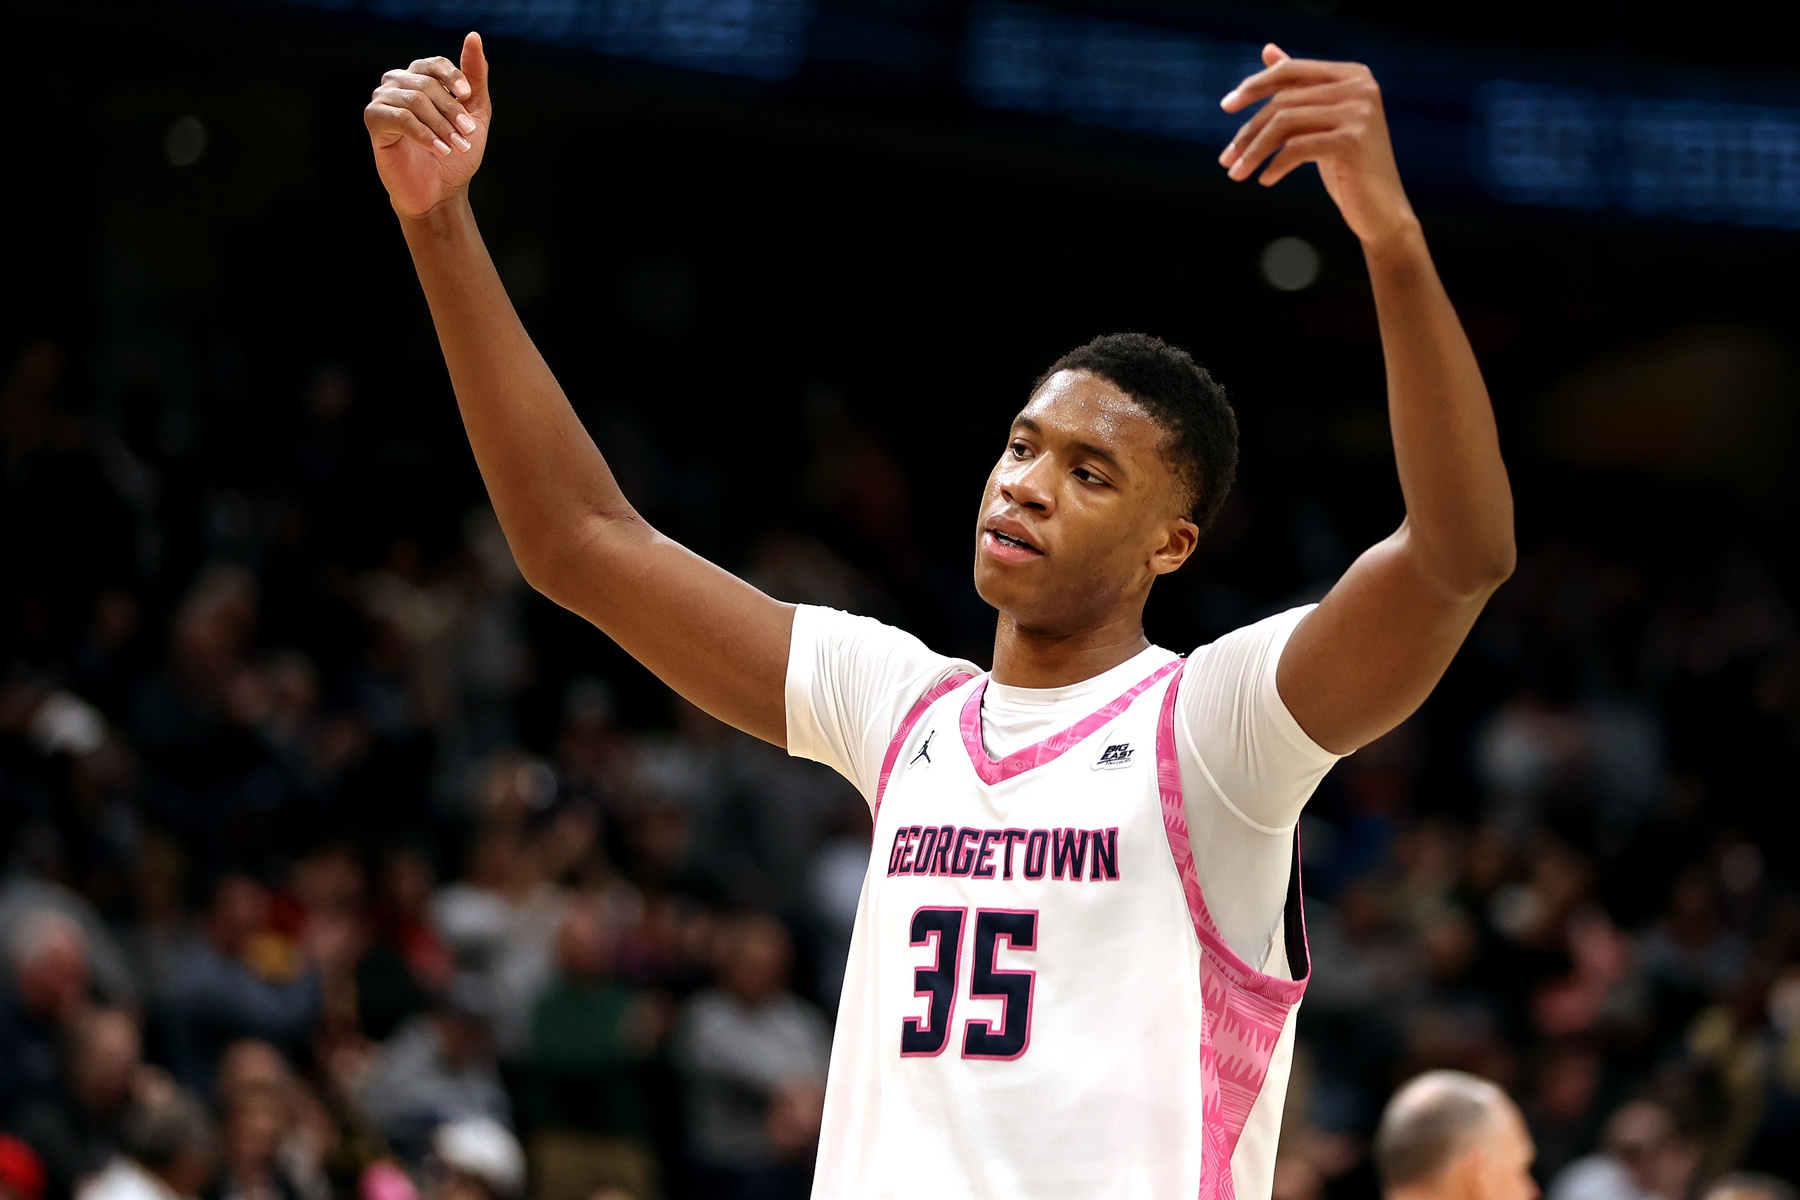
<point x="1673" y="146"/>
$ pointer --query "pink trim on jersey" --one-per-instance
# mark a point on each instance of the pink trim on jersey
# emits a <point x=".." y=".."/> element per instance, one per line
<point x="944" y="686"/>
<point x="1052" y="747"/>
<point x="1245" y="1009"/>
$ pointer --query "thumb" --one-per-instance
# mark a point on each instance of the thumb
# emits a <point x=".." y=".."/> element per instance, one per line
<point x="475" y="70"/>
<point x="1271" y="54"/>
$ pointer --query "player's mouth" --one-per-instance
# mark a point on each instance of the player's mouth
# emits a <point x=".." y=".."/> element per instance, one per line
<point x="1008" y="541"/>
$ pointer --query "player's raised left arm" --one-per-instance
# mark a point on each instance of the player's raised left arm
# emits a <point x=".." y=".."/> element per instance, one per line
<point x="1368" y="656"/>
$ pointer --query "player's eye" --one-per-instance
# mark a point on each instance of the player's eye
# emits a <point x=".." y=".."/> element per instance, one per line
<point x="1087" y="476"/>
<point x="1018" y="449"/>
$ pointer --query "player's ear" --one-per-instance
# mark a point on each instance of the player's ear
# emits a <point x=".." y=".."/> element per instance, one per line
<point x="1180" y="536"/>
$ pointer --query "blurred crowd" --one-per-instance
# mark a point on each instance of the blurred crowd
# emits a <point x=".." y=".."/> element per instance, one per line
<point x="328" y="877"/>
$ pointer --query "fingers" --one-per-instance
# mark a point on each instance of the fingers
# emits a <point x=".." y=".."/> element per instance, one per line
<point x="1287" y="125"/>
<point x="475" y="70"/>
<point x="440" y="110"/>
<point x="445" y="72"/>
<point x="389" y="124"/>
<point x="428" y="100"/>
<point x="1301" y="97"/>
<point x="1309" y="147"/>
<point x="1286" y="73"/>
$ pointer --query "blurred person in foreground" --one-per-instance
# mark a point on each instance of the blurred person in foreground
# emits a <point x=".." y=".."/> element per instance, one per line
<point x="76" y="1129"/>
<point x="753" y="1056"/>
<point x="1076" y="1061"/>
<point x="1447" y="1135"/>
<point x="167" y="1151"/>
<point x="1643" y="1156"/>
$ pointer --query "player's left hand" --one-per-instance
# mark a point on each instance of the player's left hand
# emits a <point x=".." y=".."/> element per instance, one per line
<point x="1327" y="113"/>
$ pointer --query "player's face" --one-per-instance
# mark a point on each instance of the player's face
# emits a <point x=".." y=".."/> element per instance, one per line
<point x="1082" y="511"/>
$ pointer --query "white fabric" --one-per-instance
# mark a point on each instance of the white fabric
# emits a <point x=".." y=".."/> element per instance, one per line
<point x="1247" y="768"/>
<point x="1091" y="1087"/>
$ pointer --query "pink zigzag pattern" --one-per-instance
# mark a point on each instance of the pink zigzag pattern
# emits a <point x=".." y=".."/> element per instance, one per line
<point x="1052" y="747"/>
<point x="1244" y="1009"/>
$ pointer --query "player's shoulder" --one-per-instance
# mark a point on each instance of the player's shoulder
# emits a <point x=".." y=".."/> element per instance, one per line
<point x="1271" y="630"/>
<point x="835" y="634"/>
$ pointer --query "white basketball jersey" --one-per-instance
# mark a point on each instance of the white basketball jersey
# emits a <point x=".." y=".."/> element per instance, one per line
<point x="1037" y="1004"/>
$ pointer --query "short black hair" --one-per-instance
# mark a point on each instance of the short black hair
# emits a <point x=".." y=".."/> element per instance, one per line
<point x="1177" y="392"/>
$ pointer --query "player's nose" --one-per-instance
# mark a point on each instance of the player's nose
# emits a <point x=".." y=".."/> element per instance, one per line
<point x="1027" y="485"/>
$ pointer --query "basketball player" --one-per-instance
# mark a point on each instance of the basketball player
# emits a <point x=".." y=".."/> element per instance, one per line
<point x="1078" y="951"/>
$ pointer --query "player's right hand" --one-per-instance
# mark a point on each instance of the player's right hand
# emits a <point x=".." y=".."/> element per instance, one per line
<point x="429" y="126"/>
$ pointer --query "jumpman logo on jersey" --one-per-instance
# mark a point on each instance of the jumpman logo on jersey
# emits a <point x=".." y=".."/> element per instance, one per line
<point x="924" y="750"/>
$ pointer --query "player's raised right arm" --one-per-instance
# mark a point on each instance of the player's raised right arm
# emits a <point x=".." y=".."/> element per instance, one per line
<point x="707" y="634"/>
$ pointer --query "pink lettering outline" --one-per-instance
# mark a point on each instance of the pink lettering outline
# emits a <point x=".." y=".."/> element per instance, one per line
<point x="1030" y="975"/>
<point x="937" y="967"/>
<point x="984" y="855"/>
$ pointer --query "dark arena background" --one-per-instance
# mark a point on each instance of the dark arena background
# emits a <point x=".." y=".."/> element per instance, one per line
<point x="349" y="836"/>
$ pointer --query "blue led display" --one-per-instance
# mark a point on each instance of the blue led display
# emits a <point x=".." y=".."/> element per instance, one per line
<point x="760" y="39"/>
<point x="1036" y="60"/>
<point x="1700" y="160"/>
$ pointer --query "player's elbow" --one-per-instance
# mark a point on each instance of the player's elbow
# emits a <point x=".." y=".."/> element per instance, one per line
<point x="1505" y="560"/>
<point x="1483" y="565"/>
<point x="563" y="562"/>
<point x="1467" y="567"/>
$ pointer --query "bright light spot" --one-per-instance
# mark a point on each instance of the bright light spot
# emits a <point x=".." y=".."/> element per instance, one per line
<point x="185" y="142"/>
<point x="1290" y="264"/>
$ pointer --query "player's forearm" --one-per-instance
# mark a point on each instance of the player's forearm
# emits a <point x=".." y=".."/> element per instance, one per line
<point x="1459" y="508"/>
<point x="547" y="479"/>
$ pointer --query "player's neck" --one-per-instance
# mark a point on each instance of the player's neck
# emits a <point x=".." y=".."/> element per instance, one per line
<point x="1032" y="659"/>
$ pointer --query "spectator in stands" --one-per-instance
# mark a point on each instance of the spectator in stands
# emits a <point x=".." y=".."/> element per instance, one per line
<point x="48" y="993"/>
<point x="754" y="1057"/>
<point x="476" y="1159"/>
<point x="168" y="1151"/>
<point x="37" y="890"/>
<point x="501" y="921"/>
<point x="590" y="1029"/>
<point x="1451" y="1136"/>
<point x="75" y="1130"/>
<point x="1750" y="1185"/>
<point x="253" y="1117"/>
<point x="1643" y="1157"/>
<point x="218" y="996"/>
<point x="437" y="1068"/>
<point x="21" y="1174"/>
<point x="591" y="1037"/>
